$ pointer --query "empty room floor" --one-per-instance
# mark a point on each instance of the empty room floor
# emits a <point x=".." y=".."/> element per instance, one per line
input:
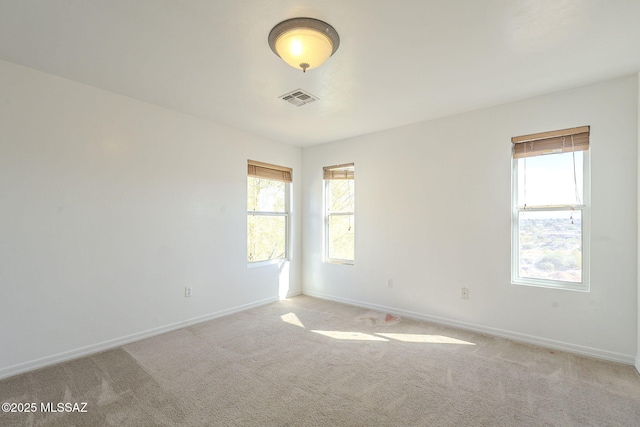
<point x="311" y="362"/>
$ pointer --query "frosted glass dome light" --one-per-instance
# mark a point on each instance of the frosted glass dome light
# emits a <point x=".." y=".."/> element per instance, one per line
<point x="304" y="43"/>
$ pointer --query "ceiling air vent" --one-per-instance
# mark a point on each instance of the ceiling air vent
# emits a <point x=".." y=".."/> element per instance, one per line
<point x="298" y="97"/>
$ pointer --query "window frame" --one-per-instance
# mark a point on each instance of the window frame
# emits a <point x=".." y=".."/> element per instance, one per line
<point x="584" y="208"/>
<point x="286" y="214"/>
<point x="328" y="214"/>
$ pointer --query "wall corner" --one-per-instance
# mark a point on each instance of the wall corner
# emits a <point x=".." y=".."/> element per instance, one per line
<point x="637" y="364"/>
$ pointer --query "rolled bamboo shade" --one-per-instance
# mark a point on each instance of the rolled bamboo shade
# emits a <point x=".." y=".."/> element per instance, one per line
<point x="345" y="171"/>
<point x="268" y="171"/>
<point x="558" y="141"/>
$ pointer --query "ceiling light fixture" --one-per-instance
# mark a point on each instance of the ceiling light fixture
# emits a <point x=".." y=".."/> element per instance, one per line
<point x="304" y="42"/>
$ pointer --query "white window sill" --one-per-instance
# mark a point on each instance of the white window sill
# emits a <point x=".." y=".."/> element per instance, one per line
<point x="267" y="263"/>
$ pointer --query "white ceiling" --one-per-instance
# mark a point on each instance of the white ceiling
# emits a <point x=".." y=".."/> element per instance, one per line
<point x="399" y="62"/>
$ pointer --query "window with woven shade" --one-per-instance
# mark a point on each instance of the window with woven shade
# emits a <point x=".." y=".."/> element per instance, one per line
<point x="267" y="212"/>
<point x="550" y="193"/>
<point x="339" y="220"/>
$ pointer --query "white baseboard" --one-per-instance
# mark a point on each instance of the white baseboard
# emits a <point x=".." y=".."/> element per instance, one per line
<point x="515" y="336"/>
<point x="638" y="364"/>
<point x="294" y="294"/>
<point x="117" y="342"/>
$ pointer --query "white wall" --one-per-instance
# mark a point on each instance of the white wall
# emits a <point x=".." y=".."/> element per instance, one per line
<point x="433" y="211"/>
<point x="109" y="207"/>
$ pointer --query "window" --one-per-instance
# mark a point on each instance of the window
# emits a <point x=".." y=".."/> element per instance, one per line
<point x="339" y="225"/>
<point x="550" y="209"/>
<point x="267" y="212"/>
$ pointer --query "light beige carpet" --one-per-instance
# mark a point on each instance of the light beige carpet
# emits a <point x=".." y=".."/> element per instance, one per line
<point x="309" y="362"/>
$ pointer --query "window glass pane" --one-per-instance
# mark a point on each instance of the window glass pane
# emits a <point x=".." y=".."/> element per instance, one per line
<point x="341" y="237"/>
<point x="266" y="237"/>
<point x="549" y="180"/>
<point x="340" y="195"/>
<point x="265" y="195"/>
<point x="550" y="245"/>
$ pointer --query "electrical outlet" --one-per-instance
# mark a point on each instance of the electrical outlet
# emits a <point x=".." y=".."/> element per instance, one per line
<point x="465" y="293"/>
<point x="389" y="283"/>
<point x="187" y="291"/>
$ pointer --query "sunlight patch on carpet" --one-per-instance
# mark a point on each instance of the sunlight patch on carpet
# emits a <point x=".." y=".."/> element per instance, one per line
<point x="352" y="336"/>
<point x="422" y="338"/>
<point x="291" y="319"/>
